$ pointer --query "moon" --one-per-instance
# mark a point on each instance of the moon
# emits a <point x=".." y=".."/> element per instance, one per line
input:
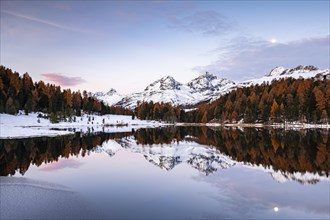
<point x="273" y="41"/>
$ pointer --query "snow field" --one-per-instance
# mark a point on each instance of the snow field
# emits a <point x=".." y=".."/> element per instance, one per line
<point x="21" y="125"/>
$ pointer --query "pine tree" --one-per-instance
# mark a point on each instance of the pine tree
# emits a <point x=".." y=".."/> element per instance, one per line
<point x="10" y="107"/>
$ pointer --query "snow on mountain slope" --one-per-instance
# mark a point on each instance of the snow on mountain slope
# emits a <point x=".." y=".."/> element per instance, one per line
<point x="209" y="87"/>
<point x="110" y="98"/>
<point x="165" y="83"/>
<point x="203" y="88"/>
<point x="208" y="83"/>
<point x="167" y="89"/>
<point x="281" y="72"/>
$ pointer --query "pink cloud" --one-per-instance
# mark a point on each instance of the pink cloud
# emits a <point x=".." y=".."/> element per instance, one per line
<point x="62" y="80"/>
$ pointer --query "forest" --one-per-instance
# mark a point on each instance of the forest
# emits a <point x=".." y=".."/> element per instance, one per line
<point x="285" y="100"/>
<point x="21" y="93"/>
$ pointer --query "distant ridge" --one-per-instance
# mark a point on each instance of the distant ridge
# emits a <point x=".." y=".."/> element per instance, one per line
<point x="202" y="89"/>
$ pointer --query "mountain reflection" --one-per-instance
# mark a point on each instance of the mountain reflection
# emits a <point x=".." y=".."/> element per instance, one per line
<point x="206" y="159"/>
<point x="206" y="149"/>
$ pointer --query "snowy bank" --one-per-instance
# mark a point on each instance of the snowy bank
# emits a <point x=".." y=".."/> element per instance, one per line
<point x="22" y="126"/>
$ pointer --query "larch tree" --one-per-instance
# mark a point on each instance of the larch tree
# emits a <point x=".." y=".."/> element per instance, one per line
<point x="204" y="118"/>
<point x="274" y="111"/>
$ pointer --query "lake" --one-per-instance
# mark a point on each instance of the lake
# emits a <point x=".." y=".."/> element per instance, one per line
<point x="170" y="172"/>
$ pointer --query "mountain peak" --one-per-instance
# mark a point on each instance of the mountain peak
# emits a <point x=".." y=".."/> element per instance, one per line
<point x="208" y="82"/>
<point x="279" y="71"/>
<point x="306" y="68"/>
<point x="165" y="83"/>
<point x="168" y="77"/>
<point x="111" y="97"/>
<point x="111" y="92"/>
<point x="207" y="75"/>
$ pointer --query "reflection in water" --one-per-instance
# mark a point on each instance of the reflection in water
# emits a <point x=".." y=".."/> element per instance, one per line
<point x="18" y="154"/>
<point x="286" y="152"/>
<point x="62" y="164"/>
<point x="166" y="156"/>
<point x="293" y="151"/>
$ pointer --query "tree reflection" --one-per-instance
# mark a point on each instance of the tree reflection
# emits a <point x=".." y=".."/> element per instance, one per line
<point x="287" y="151"/>
<point x="19" y="154"/>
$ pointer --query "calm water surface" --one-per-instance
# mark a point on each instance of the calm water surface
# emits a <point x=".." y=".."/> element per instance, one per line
<point x="174" y="172"/>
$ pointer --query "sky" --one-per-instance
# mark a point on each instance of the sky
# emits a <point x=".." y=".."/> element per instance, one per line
<point x="126" y="45"/>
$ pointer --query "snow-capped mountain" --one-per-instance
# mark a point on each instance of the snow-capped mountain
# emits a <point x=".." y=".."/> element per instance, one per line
<point x="201" y="89"/>
<point x="111" y="97"/>
<point x="165" y="83"/>
<point x="282" y="72"/>
<point x="166" y="156"/>
<point x="204" y="88"/>
<point x="209" y="86"/>
<point x="166" y="89"/>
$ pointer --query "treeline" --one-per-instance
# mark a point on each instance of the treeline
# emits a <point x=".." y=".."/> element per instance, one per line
<point x="159" y="111"/>
<point x="285" y="100"/>
<point x="21" y="93"/>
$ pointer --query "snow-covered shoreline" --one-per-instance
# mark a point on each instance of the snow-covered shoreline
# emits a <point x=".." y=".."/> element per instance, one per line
<point x="24" y="126"/>
<point x="293" y="125"/>
<point x="296" y="125"/>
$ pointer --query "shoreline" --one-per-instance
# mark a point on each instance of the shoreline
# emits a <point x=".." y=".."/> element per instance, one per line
<point x="282" y="125"/>
<point x="259" y="125"/>
<point x="25" y="126"/>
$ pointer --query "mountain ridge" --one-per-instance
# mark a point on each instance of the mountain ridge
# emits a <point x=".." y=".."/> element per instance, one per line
<point x="202" y="89"/>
